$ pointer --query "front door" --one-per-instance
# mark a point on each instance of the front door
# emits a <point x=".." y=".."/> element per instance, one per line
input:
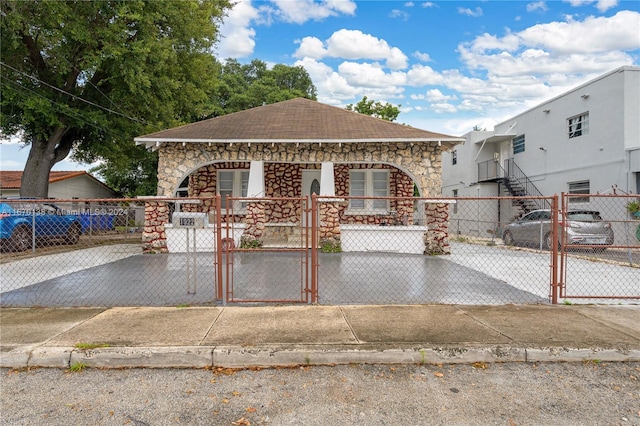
<point x="310" y="185"/>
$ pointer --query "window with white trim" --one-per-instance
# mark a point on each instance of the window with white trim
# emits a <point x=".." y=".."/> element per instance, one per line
<point x="578" y="125"/>
<point x="368" y="183"/>
<point x="454" y="157"/>
<point x="581" y="187"/>
<point x="233" y="183"/>
<point x="518" y="144"/>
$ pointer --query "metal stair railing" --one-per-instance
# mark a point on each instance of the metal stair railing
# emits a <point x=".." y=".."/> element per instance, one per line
<point x="520" y="185"/>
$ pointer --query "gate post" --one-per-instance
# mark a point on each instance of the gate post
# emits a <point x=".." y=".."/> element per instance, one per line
<point x="218" y="234"/>
<point x="314" y="248"/>
<point x="555" y="214"/>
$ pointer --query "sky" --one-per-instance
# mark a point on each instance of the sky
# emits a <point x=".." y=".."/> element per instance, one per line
<point x="449" y="65"/>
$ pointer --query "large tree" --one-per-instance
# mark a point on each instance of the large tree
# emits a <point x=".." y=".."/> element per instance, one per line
<point x="385" y="111"/>
<point x="91" y="75"/>
<point x="241" y="87"/>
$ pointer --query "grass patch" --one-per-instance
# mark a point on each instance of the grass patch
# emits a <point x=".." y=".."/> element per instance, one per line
<point x="89" y="346"/>
<point x="77" y="367"/>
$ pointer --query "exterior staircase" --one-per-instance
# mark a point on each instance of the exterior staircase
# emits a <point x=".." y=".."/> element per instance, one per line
<point x="517" y="184"/>
<point x="513" y="183"/>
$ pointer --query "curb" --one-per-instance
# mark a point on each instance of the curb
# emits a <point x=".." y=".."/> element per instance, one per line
<point x="242" y="357"/>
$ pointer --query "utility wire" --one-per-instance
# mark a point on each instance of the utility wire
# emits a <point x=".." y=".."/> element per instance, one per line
<point x="64" y="109"/>
<point x="72" y="95"/>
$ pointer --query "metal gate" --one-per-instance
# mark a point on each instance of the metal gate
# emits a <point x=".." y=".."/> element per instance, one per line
<point x="599" y="268"/>
<point x="269" y="257"/>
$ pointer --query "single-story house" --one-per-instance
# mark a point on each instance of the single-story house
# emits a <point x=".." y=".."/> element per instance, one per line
<point x="63" y="185"/>
<point x="292" y="149"/>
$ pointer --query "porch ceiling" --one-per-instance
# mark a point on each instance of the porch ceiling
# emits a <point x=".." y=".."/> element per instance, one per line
<point x="295" y="121"/>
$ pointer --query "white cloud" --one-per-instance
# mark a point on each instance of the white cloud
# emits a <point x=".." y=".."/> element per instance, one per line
<point x="593" y="46"/>
<point x="429" y="4"/>
<point x="422" y="75"/>
<point x="601" y="5"/>
<point x="311" y="47"/>
<point x="301" y="11"/>
<point x="370" y="75"/>
<point x="443" y="107"/>
<point x="540" y="6"/>
<point x="352" y="44"/>
<point x="435" y="95"/>
<point x="400" y="14"/>
<point x="409" y="4"/>
<point x="475" y="13"/>
<point x="424" y="57"/>
<point x="237" y="36"/>
<point x="604" y="5"/>
<point x="593" y="35"/>
<point x="330" y="84"/>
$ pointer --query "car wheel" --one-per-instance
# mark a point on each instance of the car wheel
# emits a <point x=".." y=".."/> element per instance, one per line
<point x="21" y="239"/>
<point x="508" y="238"/>
<point x="73" y="234"/>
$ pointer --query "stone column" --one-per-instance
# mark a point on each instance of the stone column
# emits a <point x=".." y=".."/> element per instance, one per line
<point x="154" y="237"/>
<point x="255" y="220"/>
<point x="329" y="224"/>
<point x="436" y="239"/>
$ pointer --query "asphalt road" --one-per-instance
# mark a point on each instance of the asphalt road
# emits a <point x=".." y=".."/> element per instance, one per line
<point x="487" y="394"/>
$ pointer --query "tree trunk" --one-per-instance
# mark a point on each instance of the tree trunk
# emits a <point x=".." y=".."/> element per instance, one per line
<point x="43" y="155"/>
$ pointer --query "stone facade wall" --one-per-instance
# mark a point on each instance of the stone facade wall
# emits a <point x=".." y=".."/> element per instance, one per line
<point x="284" y="163"/>
<point x="420" y="161"/>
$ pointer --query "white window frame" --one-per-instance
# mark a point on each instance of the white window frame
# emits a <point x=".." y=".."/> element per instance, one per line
<point x="454" y="157"/>
<point x="518" y="143"/>
<point x="368" y="207"/>
<point x="579" y="187"/>
<point x="578" y="125"/>
<point x="240" y="187"/>
<point x="183" y="191"/>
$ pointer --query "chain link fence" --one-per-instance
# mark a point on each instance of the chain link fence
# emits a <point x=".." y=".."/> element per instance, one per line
<point x="349" y="250"/>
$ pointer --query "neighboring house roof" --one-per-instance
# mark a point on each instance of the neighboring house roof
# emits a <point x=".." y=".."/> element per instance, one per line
<point x="297" y="120"/>
<point x="10" y="179"/>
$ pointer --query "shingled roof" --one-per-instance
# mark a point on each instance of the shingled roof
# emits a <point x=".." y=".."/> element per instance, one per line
<point x="297" y="120"/>
<point x="10" y="179"/>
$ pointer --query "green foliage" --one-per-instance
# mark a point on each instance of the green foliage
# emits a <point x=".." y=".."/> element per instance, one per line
<point x="77" y="367"/>
<point x="330" y="245"/>
<point x="89" y="346"/>
<point x="633" y="207"/>
<point x="250" y="242"/>
<point x="385" y="111"/>
<point x="110" y="72"/>
<point x="240" y="87"/>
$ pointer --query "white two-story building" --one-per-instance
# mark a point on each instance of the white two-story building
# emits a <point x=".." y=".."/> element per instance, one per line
<point x="585" y="141"/>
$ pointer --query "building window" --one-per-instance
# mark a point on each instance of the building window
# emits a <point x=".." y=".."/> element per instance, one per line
<point x="581" y="187"/>
<point x="369" y="183"/>
<point x="578" y="125"/>
<point x="518" y="144"/>
<point x="454" y="157"/>
<point x="455" y="204"/>
<point x="233" y="183"/>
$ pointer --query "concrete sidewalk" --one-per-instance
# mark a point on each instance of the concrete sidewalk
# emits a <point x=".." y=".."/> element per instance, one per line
<point x="315" y="335"/>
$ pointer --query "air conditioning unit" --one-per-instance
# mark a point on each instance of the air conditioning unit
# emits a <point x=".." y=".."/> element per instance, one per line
<point x="189" y="220"/>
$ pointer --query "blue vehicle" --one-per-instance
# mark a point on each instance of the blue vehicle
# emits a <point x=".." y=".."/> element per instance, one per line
<point x="17" y="220"/>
